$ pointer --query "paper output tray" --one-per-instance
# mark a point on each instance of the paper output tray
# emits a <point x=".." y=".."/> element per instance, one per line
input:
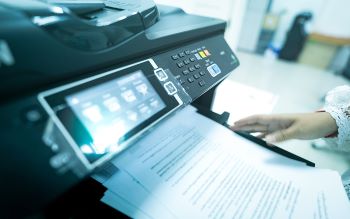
<point x="222" y="119"/>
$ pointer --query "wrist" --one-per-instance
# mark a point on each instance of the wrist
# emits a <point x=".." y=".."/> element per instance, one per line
<point x="330" y="124"/>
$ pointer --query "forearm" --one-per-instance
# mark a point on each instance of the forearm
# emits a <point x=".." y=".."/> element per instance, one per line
<point x="327" y="125"/>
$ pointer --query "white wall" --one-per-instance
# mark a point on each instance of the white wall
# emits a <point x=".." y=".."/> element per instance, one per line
<point x="292" y="8"/>
<point x="212" y="8"/>
<point x="231" y="11"/>
<point x="252" y="22"/>
<point x="331" y="17"/>
<point x="334" y="19"/>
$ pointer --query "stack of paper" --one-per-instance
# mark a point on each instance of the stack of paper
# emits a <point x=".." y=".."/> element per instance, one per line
<point x="192" y="167"/>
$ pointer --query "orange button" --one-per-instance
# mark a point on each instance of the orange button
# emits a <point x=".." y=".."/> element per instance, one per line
<point x="202" y="54"/>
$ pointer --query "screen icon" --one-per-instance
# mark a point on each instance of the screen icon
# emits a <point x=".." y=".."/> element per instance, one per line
<point x="143" y="89"/>
<point x="145" y="110"/>
<point x="154" y="103"/>
<point x="93" y="113"/>
<point x="129" y="96"/>
<point x="112" y="104"/>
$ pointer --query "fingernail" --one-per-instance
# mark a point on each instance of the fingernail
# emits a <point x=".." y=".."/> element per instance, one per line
<point x="234" y="128"/>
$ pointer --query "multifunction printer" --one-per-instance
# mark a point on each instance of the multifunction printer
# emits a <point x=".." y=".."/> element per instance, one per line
<point x="81" y="82"/>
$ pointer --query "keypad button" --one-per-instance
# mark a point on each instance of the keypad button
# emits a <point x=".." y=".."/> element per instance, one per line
<point x="197" y="66"/>
<point x="182" y="54"/>
<point x="201" y="83"/>
<point x="198" y="56"/>
<point x="161" y="75"/>
<point x="187" y="52"/>
<point x="170" y="88"/>
<point x="214" y="70"/>
<point x="185" y="72"/>
<point x="202" y="54"/>
<point x="180" y="64"/>
<point x="175" y="57"/>
<point x="196" y="76"/>
<point x="190" y="79"/>
<point x="191" y="69"/>
<point x="202" y="73"/>
<point x="187" y="62"/>
<point x="192" y="59"/>
<point x="181" y="81"/>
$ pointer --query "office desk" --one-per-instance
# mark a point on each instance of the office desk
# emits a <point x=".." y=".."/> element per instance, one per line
<point x="300" y="89"/>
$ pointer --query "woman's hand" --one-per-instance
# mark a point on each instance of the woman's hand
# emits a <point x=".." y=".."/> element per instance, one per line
<point x="277" y="128"/>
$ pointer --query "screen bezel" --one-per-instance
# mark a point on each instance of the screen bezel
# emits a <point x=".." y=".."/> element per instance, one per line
<point x="56" y="97"/>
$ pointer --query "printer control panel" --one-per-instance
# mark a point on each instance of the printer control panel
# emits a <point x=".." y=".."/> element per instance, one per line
<point x="200" y="66"/>
<point x="95" y="118"/>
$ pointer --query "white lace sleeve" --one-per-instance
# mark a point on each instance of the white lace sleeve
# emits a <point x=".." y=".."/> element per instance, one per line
<point x="338" y="105"/>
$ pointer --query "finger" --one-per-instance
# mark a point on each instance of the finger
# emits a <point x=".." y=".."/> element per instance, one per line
<point x="281" y="135"/>
<point x="260" y="120"/>
<point x="251" y="120"/>
<point x="262" y="135"/>
<point x="251" y="128"/>
<point x="269" y="143"/>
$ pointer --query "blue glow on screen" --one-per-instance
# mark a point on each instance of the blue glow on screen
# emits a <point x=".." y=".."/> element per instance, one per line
<point x="110" y="110"/>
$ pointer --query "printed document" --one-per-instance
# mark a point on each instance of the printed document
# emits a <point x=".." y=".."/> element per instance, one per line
<point x="196" y="168"/>
<point x="128" y="195"/>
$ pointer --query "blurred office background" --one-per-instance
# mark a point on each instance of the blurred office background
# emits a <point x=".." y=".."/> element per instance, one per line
<point x="291" y="52"/>
<point x="263" y="26"/>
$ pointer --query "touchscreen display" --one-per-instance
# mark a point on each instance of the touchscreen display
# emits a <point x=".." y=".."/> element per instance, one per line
<point x="110" y="110"/>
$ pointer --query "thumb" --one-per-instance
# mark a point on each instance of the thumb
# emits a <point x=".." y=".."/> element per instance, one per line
<point x="281" y="135"/>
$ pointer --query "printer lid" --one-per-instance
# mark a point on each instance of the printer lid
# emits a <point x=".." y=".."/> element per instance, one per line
<point x="88" y="9"/>
<point x="65" y="46"/>
<point x="101" y="24"/>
